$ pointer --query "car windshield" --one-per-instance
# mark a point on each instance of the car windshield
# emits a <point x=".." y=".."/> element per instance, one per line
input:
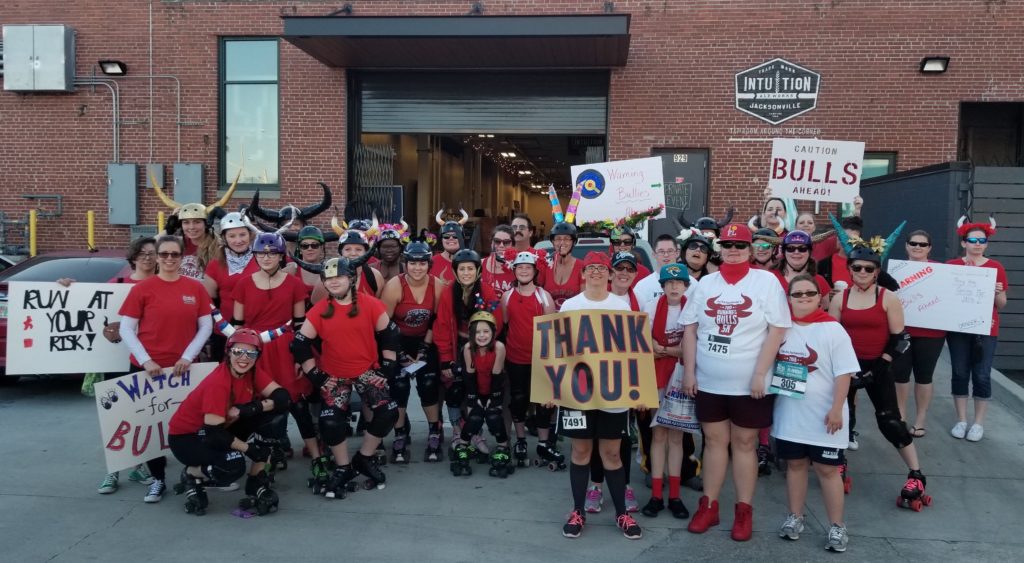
<point x="86" y="269"/>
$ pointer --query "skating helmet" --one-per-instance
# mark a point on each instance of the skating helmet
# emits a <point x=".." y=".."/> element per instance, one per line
<point x="353" y="236"/>
<point x="343" y="267"/>
<point x="765" y="234"/>
<point x="309" y="232"/>
<point x="864" y="253"/>
<point x="417" y="251"/>
<point x="485" y="316"/>
<point x="525" y="258"/>
<point x="268" y="242"/>
<point x="192" y="211"/>
<point x="563" y="228"/>
<point x="797" y="238"/>
<point x="243" y="336"/>
<point x="465" y="255"/>
<point x="707" y="224"/>
<point x="231" y="220"/>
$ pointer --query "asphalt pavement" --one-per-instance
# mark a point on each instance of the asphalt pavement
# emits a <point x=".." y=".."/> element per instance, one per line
<point x="52" y="464"/>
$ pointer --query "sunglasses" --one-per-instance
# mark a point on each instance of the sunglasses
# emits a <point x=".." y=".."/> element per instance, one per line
<point x="763" y="245"/>
<point x="802" y="294"/>
<point x="621" y="242"/>
<point x="310" y="246"/>
<point x="145" y="255"/>
<point x="169" y="255"/>
<point x="502" y="241"/>
<point x="449" y="237"/>
<point x="977" y="240"/>
<point x="859" y="269"/>
<point x="697" y="246"/>
<point x="630" y="269"/>
<point x="918" y="244"/>
<point x="800" y="248"/>
<point x="729" y="245"/>
<point x="240" y="353"/>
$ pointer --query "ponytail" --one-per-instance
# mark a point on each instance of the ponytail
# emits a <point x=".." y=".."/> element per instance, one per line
<point x="354" y="311"/>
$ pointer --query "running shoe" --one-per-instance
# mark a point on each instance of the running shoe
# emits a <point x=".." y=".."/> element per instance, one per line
<point x="574" y="527"/>
<point x="631" y="503"/>
<point x="156" y="491"/>
<point x="854" y="445"/>
<point x="141" y="475"/>
<point x="837" y="538"/>
<point x="109" y="484"/>
<point x="595" y="498"/>
<point x="792" y="527"/>
<point x="975" y="433"/>
<point x="653" y="507"/>
<point x="959" y="431"/>
<point x="629" y="527"/>
<point x="678" y="509"/>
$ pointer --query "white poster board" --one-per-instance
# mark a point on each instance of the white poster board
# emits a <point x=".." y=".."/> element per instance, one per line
<point x="614" y="190"/>
<point x="57" y="329"/>
<point x="816" y="170"/>
<point x="136" y="409"/>
<point x="944" y="296"/>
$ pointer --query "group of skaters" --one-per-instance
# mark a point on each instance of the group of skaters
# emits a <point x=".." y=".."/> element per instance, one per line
<point x="764" y="331"/>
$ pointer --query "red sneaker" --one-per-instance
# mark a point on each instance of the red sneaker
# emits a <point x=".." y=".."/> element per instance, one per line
<point x="743" y="525"/>
<point x="707" y="516"/>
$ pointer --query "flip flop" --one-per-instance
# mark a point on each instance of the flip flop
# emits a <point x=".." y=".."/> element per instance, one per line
<point x="918" y="432"/>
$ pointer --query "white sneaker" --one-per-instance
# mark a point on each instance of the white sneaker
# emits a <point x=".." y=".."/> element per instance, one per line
<point x="109" y="484"/>
<point x="960" y="430"/>
<point x="854" y="445"/>
<point x="156" y="491"/>
<point x="975" y="433"/>
<point x="226" y="489"/>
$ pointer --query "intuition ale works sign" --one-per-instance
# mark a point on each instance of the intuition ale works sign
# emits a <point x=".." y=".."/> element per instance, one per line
<point x="777" y="90"/>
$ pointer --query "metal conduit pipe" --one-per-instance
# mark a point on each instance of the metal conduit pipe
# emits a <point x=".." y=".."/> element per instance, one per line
<point x="177" y="93"/>
<point x="115" y="107"/>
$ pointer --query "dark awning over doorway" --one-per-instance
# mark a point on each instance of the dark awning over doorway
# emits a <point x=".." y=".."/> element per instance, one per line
<point x="451" y="42"/>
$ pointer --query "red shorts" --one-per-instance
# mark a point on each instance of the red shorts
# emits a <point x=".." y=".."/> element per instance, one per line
<point x="742" y="410"/>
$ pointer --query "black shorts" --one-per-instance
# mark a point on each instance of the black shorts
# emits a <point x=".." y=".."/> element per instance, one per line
<point x="921" y="358"/>
<point x="817" y="454"/>
<point x="742" y="410"/>
<point x="599" y="424"/>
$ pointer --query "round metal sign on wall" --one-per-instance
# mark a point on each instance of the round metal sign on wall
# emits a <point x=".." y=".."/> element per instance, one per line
<point x="777" y="90"/>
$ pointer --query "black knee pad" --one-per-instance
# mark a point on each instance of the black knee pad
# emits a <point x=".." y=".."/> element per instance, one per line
<point x="427" y="386"/>
<point x="496" y="423"/>
<point x="384" y="419"/>
<point x="226" y="470"/>
<point x="399" y="389"/>
<point x="542" y="417"/>
<point x="894" y="429"/>
<point x="474" y="422"/>
<point x="334" y="426"/>
<point x="455" y="393"/>
<point x="303" y="419"/>
<point x="518" y="403"/>
<point x="273" y="425"/>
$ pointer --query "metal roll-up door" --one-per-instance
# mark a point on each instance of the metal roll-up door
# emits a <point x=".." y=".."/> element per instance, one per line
<point x="511" y="103"/>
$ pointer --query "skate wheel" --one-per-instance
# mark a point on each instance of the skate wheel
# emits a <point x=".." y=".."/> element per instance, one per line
<point x="351" y="486"/>
<point x="927" y="500"/>
<point x="916" y="505"/>
<point x="552" y="467"/>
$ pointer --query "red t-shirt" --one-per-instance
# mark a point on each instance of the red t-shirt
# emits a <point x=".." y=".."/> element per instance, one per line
<point x="521" y="309"/>
<point x="441" y="268"/>
<point x="571" y="287"/>
<point x="839" y="270"/>
<point x="499" y="282"/>
<point x="226" y="283"/>
<point x="1000" y="278"/>
<point x="168" y="314"/>
<point x="825" y="249"/>
<point x="349" y="344"/>
<point x="265" y="310"/>
<point x="215" y="395"/>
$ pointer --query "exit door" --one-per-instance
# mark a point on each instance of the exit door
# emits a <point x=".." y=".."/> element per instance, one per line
<point x="686" y="187"/>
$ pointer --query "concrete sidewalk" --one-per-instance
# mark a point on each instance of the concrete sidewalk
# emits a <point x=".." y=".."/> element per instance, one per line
<point x="53" y="463"/>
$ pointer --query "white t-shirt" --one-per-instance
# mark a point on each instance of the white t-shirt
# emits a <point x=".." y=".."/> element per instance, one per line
<point x="648" y="289"/>
<point x="825" y="349"/>
<point x="732" y="324"/>
<point x="611" y="303"/>
<point x="671" y="319"/>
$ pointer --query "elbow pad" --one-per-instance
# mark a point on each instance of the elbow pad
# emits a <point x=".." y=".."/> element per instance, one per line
<point x="252" y="408"/>
<point x="389" y="338"/>
<point x="301" y="348"/>
<point x="281" y="399"/>
<point x="898" y="344"/>
<point x="237" y="322"/>
<point x="297" y="322"/>
<point x="317" y="377"/>
<point x="217" y="436"/>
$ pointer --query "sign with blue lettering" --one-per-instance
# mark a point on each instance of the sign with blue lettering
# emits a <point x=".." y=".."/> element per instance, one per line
<point x="593" y="360"/>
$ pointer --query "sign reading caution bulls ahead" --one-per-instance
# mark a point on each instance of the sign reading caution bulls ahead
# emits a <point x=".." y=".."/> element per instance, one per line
<point x="593" y="360"/>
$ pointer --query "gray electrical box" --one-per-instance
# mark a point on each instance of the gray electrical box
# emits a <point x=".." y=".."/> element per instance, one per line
<point x="188" y="183"/>
<point x="122" y="195"/>
<point x="39" y="58"/>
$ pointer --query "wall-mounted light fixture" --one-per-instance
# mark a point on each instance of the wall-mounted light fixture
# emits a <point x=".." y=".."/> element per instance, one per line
<point x="934" y="65"/>
<point x="113" y="68"/>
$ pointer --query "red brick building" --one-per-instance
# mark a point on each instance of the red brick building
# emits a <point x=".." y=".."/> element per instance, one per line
<point x="675" y="90"/>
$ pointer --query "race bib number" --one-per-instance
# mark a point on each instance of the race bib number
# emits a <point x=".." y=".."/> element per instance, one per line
<point x="573" y="420"/>
<point x="718" y="345"/>
<point x="789" y="379"/>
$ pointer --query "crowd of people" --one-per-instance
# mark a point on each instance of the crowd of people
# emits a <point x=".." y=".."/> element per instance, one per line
<point x="765" y="330"/>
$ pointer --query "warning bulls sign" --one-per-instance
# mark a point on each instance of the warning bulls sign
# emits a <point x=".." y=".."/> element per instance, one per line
<point x="777" y="90"/>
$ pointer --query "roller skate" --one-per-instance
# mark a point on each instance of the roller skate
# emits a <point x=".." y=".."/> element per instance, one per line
<point x="520" y="452"/>
<point x="913" y="496"/>
<point x="460" y="461"/>
<point x="258" y="495"/>
<point x="339" y="482"/>
<point x="380" y="455"/>
<point x="844" y="474"/>
<point x="321" y="470"/>
<point x="400" y="445"/>
<point x="764" y="460"/>
<point x="194" y="490"/>
<point x="481" y="450"/>
<point x="433" y="452"/>
<point x="550" y="456"/>
<point x="368" y="466"/>
<point x="501" y="463"/>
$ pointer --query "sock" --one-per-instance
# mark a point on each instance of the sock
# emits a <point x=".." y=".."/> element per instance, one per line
<point x="579" y="476"/>
<point x="762" y="436"/>
<point x="673" y="487"/>
<point x="656" y="487"/>
<point x="616" y="479"/>
<point x="626" y="454"/>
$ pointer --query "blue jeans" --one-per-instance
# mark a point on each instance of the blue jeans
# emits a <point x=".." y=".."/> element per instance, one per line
<point x="971" y="356"/>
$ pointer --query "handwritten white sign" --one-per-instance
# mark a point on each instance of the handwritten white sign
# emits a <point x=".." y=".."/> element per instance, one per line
<point x="944" y="296"/>
<point x="136" y="409"/>
<point x="816" y="170"/>
<point x="57" y="329"/>
<point x="614" y="190"/>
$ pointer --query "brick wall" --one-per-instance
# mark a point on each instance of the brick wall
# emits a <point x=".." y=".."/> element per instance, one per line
<point x="676" y="91"/>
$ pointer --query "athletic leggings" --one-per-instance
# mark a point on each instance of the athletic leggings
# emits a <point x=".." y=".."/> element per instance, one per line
<point x="519" y="388"/>
<point x="882" y="392"/>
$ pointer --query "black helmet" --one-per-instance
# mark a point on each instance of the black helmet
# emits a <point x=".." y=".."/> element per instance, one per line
<point x="765" y="232"/>
<point x="864" y="253"/>
<point x="465" y="255"/>
<point x="451" y="227"/>
<point x="563" y="228"/>
<point x="353" y="236"/>
<point x="310" y="232"/>
<point x="417" y="251"/>
<point x="707" y="224"/>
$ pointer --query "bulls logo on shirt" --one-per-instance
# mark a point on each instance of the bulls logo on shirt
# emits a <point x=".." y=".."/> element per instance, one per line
<point x="415" y="318"/>
<point x="728" y="315"/>
<point x="807" y="361"/>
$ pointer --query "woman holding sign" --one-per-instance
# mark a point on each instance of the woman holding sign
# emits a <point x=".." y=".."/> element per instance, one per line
<point x="971" y="354"/>
<point x="811" y="378"/>
<point x="165" y="321"/>
<point x="735" y="320"/>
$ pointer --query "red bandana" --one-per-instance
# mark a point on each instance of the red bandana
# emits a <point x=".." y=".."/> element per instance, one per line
<point x="733" y="273"/>
<point x="818" y="316"/>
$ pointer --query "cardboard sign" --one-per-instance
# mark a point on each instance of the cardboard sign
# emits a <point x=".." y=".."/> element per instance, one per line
<point x="136" y="409"/>
<point x="614" y="190"/>
<point x="816" y="170"/>
<point x="593" y="360"/>
<point x="944" y="296"/>
<point x="57" y="329"/>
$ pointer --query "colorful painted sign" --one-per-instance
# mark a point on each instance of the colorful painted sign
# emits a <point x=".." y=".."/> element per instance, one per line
<point x="610" y="191"/>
